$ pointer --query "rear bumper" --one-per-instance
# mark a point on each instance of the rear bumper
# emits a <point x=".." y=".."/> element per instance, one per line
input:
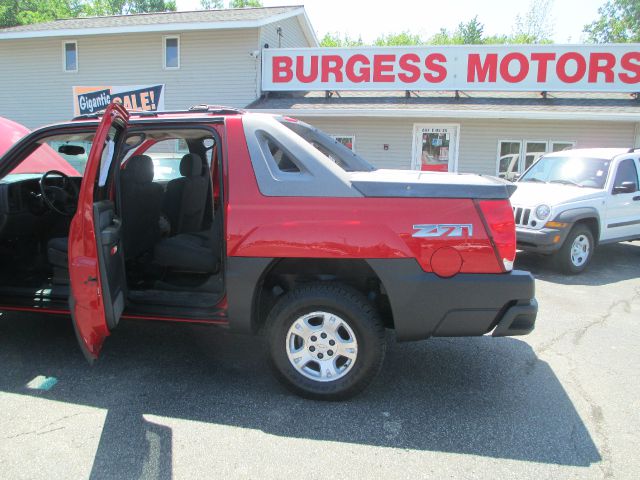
<point x="546" y="240"/>
<point x="425" y="305"/>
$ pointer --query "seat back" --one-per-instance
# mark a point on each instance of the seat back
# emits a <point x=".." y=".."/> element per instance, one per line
<point x="141" y="203"/>
<point x="186" y="198"/>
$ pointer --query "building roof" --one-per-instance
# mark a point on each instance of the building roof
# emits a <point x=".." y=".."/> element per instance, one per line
<point x="165" y="21"/>
<point x="529" y="105"/>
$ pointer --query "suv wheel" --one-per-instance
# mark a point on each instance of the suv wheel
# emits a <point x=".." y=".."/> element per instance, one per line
<point x="326" y="341"/>
<point x="577" y="250"/>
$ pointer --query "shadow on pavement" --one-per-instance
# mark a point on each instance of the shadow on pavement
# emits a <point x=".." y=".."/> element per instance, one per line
<point x="610" y="264"/>
<point x="480" y="396"/>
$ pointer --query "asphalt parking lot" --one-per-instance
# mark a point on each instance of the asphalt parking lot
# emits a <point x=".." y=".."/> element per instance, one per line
<point x="174" y="401"/>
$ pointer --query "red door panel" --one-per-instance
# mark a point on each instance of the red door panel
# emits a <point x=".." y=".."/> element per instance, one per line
<point x="92" y="304"/>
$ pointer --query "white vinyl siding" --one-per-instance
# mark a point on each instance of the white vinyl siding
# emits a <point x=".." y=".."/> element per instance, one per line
<point x="292" y="34"/>
<point x="215" y="68"/>
<point x="478" y="142"/>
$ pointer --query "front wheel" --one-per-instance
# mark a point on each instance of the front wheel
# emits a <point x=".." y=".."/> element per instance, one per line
<point x="326" y="341"/>
<point x="577" y="250"/>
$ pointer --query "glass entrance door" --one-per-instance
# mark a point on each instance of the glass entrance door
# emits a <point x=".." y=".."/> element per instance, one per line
<point x="435" y="147"/>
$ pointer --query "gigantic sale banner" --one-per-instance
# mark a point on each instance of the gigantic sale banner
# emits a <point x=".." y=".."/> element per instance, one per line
<point x="555" y="68"/>
<point x="87" y="100"/>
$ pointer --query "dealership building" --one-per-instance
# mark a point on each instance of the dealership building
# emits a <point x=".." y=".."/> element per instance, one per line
<point x="482" y="109"/>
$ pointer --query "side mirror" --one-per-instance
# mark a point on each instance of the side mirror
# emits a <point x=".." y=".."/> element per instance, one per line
<point x="625" y="187"/>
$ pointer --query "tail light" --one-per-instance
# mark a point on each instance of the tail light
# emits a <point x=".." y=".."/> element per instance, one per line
<point x="498" y="216"/>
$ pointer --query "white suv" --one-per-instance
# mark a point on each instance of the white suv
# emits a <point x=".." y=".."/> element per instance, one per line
<point x="569" y="202"/>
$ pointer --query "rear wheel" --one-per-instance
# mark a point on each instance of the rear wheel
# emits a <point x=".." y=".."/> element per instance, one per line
<point x="577" y="250"/>
<point x="326" y="341"/>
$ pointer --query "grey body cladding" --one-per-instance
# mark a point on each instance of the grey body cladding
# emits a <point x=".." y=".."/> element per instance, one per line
<point x="318" y="176"/>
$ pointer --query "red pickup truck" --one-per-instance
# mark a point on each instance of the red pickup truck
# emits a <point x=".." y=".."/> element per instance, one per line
<point x="255" y="223"/>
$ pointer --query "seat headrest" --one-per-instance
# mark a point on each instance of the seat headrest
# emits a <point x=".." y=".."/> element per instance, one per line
<point x="191" y="165"/>
<point x="140" y="168"/>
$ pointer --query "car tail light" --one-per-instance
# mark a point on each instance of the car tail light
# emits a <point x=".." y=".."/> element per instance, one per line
<point x="499" y="219"/>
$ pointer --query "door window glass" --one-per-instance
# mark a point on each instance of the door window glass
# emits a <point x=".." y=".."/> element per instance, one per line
<point x="107" y="157"/>
<point x="436" y="148"/>
<point x="534" y="150"/>
<point x="626" y="173"/>
<point x="508" y="160"/>
<point x="166" y="156"/>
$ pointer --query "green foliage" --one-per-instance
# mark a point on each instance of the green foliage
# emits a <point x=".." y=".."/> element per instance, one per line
<point x="23" y="12"/>
<point x="470" y="32"/>
<point x="335" y="40"/>
<point x="245" y="3"/>
<point x="124" y="7"/>
<point x="536" y="25"/>
<point x="212" y="4"/>
<point x="619" y="22"/>
<point x="396" y="39"/>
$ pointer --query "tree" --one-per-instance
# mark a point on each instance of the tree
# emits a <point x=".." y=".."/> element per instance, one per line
<point x="335" y="40"/>
<point x="536" y="25"/>
<point x="22" y="12"/>
<point x="470" y="32"/>
<point x="396" y="39"/>
<point x="124" y="7"/>
<point x="245" y="3"/>
<point x="212" y="4"/>
<point x="619" y="22"/>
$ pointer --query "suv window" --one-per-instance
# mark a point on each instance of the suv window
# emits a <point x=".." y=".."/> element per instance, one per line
<point x="626" y="173"/>
<point x="166" y="156"/>
<point x="281" y="158"/>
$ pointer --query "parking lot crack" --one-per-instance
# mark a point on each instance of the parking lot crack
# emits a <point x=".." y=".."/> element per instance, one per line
<point x="626" y="304"/>
<point x="44" y="429"/>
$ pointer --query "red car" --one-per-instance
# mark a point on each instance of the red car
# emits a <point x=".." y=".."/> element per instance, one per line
<point x="265" y="223"/>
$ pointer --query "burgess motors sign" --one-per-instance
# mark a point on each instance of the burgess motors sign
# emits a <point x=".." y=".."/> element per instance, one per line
<point x="602" y="68"/>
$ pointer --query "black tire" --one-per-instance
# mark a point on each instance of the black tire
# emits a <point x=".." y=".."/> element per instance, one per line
<point x="354" y="309"/>
<point x="563" y="256"/>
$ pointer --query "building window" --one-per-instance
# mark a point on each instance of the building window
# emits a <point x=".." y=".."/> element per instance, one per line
<point x="70" y="56"/>
<point x="348" y="141"/>
<point x="171" y="55"/>
<point x="515" y="156"/>
<point x="560" y="146"/>
<point x="509" y="158"/>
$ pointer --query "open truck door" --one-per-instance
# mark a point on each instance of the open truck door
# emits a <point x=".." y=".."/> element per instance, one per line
<point x="96" y="262"/>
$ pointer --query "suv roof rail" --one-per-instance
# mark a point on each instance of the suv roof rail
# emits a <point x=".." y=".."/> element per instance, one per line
<point x="215" y="109"/>
<point x="219" y="109"/>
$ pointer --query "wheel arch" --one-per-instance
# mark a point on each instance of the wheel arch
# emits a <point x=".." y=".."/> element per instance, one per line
<point x="584" y="215"/>
<point x="283" y="274"/>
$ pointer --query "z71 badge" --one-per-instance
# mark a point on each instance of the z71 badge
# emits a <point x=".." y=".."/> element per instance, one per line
<point x="443" y="230"/>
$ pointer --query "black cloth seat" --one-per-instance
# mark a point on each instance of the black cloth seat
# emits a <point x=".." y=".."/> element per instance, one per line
<point x="190" y="252"/>
<point x="185" y="200"/>
<point x="58" y="252"/>
<point x="141" y="204"/>
<point x="190" y="248"/>
<point x="194" y="252"/>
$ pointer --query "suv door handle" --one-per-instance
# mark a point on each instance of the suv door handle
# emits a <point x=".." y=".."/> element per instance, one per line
<point x="636" y="198"/>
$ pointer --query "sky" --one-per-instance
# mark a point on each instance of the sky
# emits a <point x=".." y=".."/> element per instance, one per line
<point x="366" y="19"/>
